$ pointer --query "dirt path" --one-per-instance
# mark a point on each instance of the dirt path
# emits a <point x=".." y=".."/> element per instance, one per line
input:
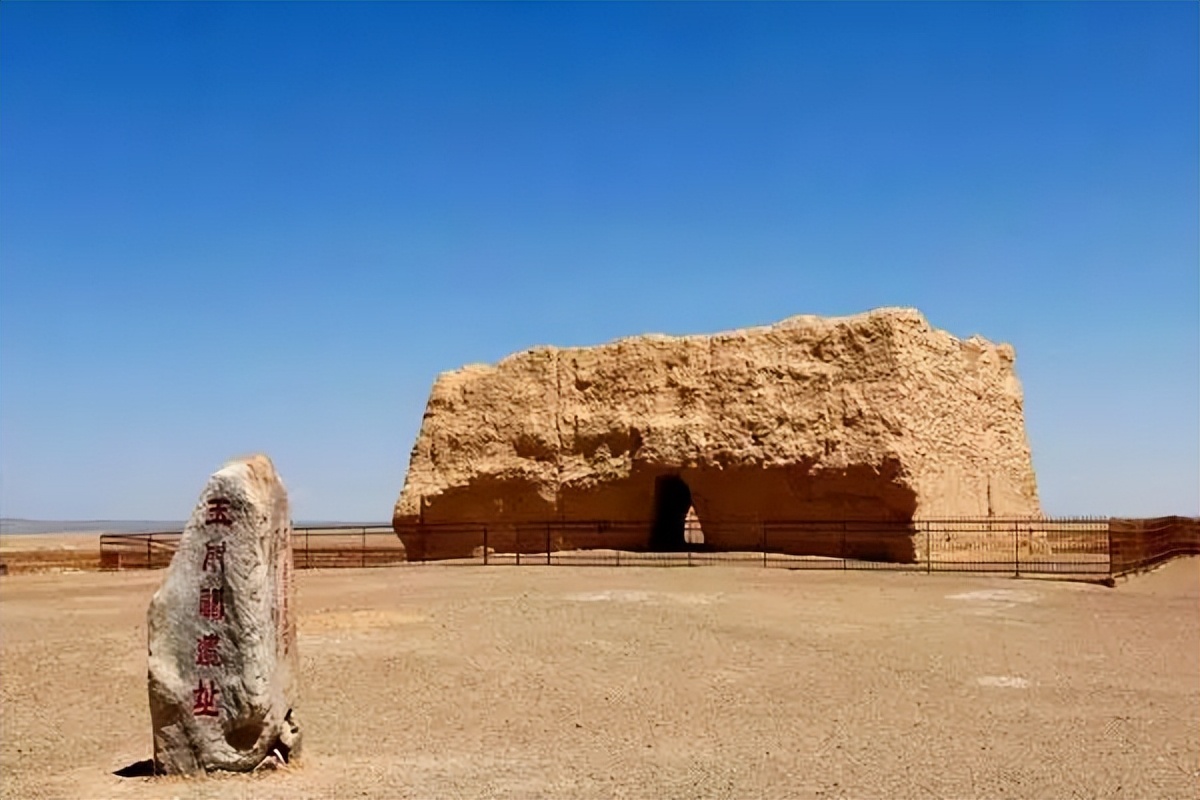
<point x="731" y="682"/>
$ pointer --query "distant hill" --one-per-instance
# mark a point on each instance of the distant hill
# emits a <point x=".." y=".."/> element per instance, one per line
<point x="28" y="526"/>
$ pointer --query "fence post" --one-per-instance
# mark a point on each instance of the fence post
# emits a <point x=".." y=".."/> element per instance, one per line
<point x="1017" y="549"/>
<point x="307" y="551"/>
<point x="928" y="550"/>
<point x="1111" y="567"/>
<point x="762" y="527"/>
<point x="149" y="542"/>
<point x="518" y="530"/>
<point x="547" y="544"/>
<point x="485" y="546"/>
<point x="845" y="564"/>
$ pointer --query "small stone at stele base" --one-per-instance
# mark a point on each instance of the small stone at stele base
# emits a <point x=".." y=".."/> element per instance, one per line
<point x="222" y="638"/>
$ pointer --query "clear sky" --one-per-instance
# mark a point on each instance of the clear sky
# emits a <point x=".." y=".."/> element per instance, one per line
<point x="234" y="227"/>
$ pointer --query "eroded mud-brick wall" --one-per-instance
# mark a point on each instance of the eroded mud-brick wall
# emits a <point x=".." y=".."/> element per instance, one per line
<point x="878" y="416"/>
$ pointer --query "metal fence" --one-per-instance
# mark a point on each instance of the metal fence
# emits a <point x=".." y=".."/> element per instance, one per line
<point x="325" y="547"/>
<point x="1139" y="544"/>
<point x="1095" y="548"/>
<point x="137" y="550"/>
<point x="1068" y="547"/>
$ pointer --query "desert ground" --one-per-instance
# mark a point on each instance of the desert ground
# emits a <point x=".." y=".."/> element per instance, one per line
<point x="33" y="552"/>
<point x="430" y="681"/>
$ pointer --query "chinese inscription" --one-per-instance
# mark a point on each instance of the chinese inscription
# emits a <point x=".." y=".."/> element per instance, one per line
<point x="205" y="704"/>
<point x="281" y="615"/>
<point x="212" y="604"/>
<point x="214" y="557"/>
<point x="212" y="609"/>
<point x="207" y="654"/>
<point x="220" y="512"/>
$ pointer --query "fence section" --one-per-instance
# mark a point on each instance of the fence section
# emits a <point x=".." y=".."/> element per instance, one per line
<point x="336" y="547"/>
<point x="1015" y="546"/>
<point x="1028" y="546"/>
<point x="1088" y="547"/>
<point x="138" y="550"/>
<point x="357" y="546"/>
<point x="1138" y="544"/>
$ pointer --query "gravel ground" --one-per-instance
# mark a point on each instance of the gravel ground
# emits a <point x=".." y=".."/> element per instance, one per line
<point x="739" y="682"/>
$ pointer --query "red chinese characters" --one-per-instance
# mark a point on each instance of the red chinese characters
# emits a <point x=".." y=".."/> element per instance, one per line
<point x="207" y="654"/>
<point x="205" y="704"/>
<point x="212" y="609"/>
<point x="220" y="512"/>
<point x="212" y="604"/>
<point x="283" y="623"/>
<point x="214" y="557"/>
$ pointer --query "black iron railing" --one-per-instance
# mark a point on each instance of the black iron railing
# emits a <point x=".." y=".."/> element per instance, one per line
<point x="1096" y="548"/>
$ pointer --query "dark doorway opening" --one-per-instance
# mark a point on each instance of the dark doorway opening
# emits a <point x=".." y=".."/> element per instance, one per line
<point x="672" y="499"/>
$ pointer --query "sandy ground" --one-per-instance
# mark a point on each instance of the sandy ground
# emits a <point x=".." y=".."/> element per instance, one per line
<point x="738" y="682"/>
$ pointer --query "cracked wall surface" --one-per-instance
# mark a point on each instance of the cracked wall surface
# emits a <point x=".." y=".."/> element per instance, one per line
<point x="874" y="416"/>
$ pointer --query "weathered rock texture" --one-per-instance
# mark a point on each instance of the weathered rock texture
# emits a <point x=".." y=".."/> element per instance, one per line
<point x="222" y="639"/>
<point x="877" y="416"/>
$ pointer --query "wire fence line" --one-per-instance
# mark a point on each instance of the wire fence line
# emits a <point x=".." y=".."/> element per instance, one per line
<point x="1092" y="548"/>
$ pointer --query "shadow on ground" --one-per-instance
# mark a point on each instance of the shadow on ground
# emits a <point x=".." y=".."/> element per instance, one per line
<point x="138" y="769"/>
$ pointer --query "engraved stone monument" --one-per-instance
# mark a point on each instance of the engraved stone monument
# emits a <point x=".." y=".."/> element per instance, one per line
<point x="222" y="637"/>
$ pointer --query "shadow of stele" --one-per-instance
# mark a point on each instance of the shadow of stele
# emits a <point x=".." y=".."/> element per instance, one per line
<point x="138" y="769"/>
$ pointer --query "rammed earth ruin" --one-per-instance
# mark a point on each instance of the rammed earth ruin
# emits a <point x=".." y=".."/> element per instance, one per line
<point x="874" y="417"/>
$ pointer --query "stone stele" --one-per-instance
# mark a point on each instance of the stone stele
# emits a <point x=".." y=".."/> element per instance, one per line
<point x="222" y="638"/>
<point x="872" y="417"/>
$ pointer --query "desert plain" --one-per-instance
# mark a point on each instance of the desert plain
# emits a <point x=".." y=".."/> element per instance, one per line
<point x="428" y="681"/>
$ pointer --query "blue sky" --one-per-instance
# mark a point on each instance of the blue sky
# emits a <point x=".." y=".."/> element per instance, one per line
<point x="235" y="227"/>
